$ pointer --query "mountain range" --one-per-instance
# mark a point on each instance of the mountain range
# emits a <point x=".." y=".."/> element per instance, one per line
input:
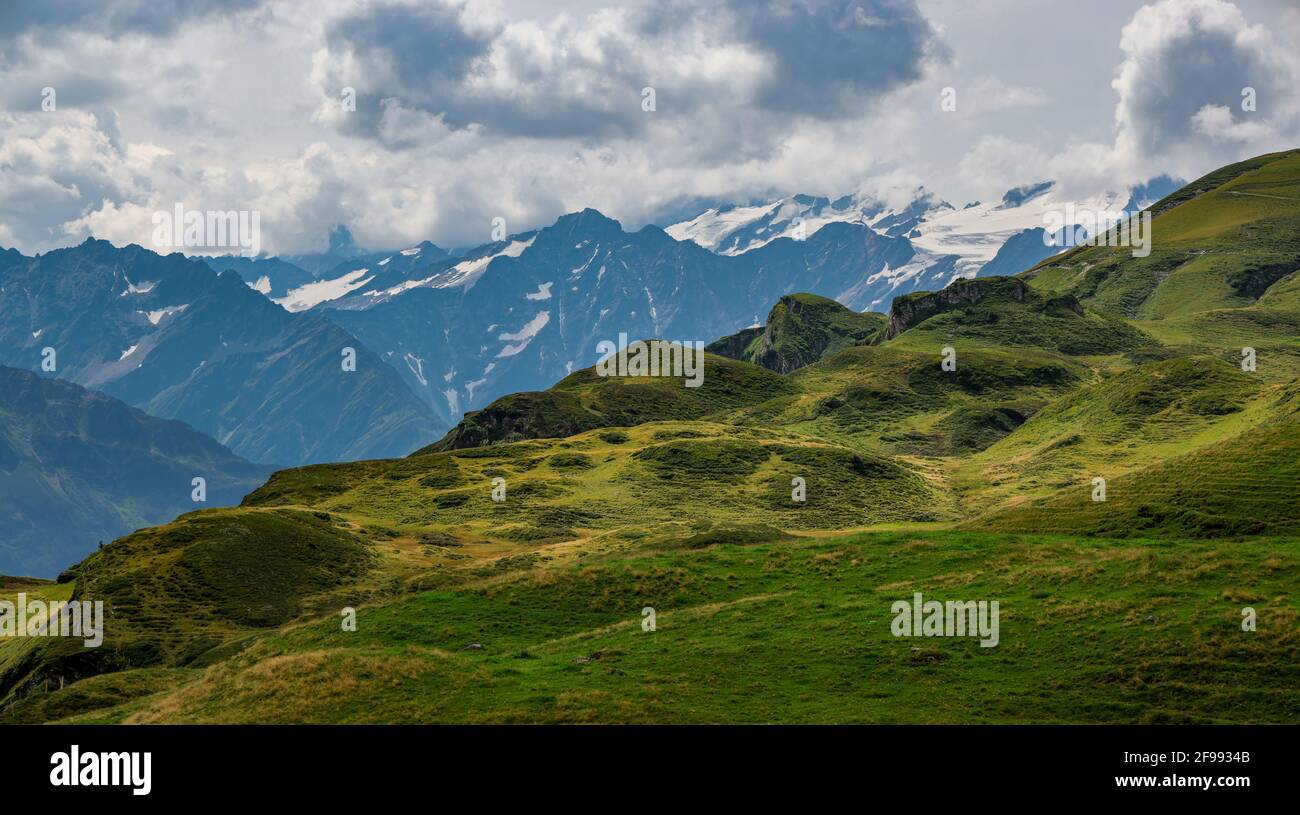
<point x="467" y="326"/>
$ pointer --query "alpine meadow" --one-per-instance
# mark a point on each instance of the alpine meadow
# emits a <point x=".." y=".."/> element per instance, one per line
<point x="473" y="363"/>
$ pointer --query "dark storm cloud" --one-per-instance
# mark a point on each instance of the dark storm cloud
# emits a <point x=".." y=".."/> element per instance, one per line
<point x="833" y="54"/>
<point x="1201" y="68"/>
<point x="425" y="48"/>
<point x="428" y="56"/>
<point x="819" y="58"/>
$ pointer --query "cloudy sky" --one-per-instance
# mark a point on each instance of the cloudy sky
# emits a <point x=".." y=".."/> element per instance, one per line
<point x="468" y="110"/>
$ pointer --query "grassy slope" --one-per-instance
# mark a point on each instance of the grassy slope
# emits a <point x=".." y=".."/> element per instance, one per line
<point x="1010" y="315"/>
<point x="1122" y="421"/>
<point x="1246" y="484"/>
<point x="584" y="401"/>
<point x="1221" y="273"/>
<point x="901" y="402"/>
<point x="797" y="631"/>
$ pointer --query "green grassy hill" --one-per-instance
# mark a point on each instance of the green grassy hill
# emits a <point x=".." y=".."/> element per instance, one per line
<point x="1246" y="484"/>
<point x="1005" y="312"/>
<point x="788" y="630"/>
<point x="1122" y="421"/>
<point x="622" y="493"/>
<point x="584" y="401"/>
<point x="800" y="329"/>
<point x="1219" y="242"/>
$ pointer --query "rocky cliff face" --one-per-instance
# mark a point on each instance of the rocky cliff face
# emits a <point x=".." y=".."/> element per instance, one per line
<point x="915" y="309"/>
<point x="736" y="346"/>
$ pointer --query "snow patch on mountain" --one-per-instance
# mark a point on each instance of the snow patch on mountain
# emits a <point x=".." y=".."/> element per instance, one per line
<point x="523" y="336"/>
<point x="138" y="288"/>
<point x="417" y="368"/>
<point x="155" y="317"/>
<point x="467" y="272"/>
<point x="312" y="294"/>
<point x="470" y="387"/>
<point x="974" y="234"/>
<point x="712" y="227"/>
<point x="464" y="274"/>
<point x="543" y="292"/>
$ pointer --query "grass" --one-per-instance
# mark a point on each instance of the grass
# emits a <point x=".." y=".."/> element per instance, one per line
<point x="1123" y="421"/>
<point x="1243" y="485"/>
<point x="791" y="631"/>
<point x="1221" y="242"/>
<point x="584" y="401"/>
<point x="1004" y="313"/>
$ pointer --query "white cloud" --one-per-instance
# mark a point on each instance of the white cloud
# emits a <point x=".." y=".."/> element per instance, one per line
<point x="529" y="115"/>
<point x="1217" y="123"/>
<point x="1187" y="64"/>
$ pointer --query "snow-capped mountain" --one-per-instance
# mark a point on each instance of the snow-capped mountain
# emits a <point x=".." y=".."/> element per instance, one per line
<point x="323" y="277"/>
<point x="973" y="233"/>
<point x="521" y="313"/>
<point x="734" y="230"/>
<point x="524" y="312"/>
<point x="410" y="269"/>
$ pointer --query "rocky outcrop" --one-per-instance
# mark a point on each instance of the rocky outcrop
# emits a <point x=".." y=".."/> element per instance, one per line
<point x="800" y="329"/>
<point x="531" y="415"/>
<point x="735" y="345"/>
<point x="914" y="309"/>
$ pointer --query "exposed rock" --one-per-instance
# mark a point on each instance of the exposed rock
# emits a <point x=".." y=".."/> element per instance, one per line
<point x="914" y="309"/>
<point x="800" y="329"/>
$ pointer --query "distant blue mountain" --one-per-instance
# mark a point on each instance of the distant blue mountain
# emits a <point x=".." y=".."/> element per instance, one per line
<point x="79" y="467"/>
<point x="169" y="336"/>
<point x="523" y="313"/>
<point x="1028" y="248"/>
<point x="1144" y="195"/>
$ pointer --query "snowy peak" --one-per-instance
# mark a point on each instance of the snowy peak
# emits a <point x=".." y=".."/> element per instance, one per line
<point x="734" y="230"/>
